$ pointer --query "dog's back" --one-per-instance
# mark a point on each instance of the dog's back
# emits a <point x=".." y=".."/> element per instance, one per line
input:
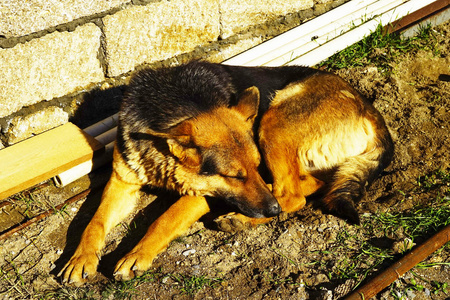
<point x="338" y="130"/>
<point x="330" y="129"/>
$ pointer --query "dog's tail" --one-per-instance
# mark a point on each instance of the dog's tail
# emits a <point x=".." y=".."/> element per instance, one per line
<point x="356" y="173"/>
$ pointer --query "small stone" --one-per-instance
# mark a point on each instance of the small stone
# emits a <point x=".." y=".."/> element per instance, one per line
<point x="24" y="127"/>
<point x="410" y="294"/>
<point x="165" y="279"/>
<point x="403" y="246"/>
<point x="188" y="252"/>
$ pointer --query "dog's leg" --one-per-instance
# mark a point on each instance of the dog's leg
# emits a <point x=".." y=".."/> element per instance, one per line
<point x="117" y="202"/>
<point x="291" y="183"/>
<point x="174" y="222"/>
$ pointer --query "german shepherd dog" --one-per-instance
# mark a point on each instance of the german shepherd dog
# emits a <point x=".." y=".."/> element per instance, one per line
<point x="202" y="130"/>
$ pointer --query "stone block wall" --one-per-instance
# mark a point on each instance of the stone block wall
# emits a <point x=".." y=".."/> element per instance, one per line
<point x="67" y="60"/>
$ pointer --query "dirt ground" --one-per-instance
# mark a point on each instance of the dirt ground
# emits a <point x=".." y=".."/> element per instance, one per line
<point x="306" y="255"/>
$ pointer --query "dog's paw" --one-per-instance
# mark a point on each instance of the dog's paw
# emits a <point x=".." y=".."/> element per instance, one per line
<point x="132" y="265"/>
<point x="79" y="268"/>
<point x="231" y="222"/>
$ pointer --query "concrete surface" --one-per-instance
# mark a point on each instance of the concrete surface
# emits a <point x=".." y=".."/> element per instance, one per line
<point x="24" y="127"/>
<point x="52" y="66"/>
<point x="22" y="17"/>
<point x="158" y="31"/>
<point x="237" y="15"/>
<point x="60" y="50"/>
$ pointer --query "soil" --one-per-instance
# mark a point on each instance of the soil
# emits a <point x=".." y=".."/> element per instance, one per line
<point x="296" y="256"/>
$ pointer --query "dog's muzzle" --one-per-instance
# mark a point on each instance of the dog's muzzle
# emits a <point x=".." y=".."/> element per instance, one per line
<point x="272" y="210"/>
<point x="268" y="208"/>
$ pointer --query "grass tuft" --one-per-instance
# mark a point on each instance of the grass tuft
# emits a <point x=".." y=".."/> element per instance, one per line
<point x="381" y="48"/>
<point x="192" y="284"/>
<point x="360" y="251"/>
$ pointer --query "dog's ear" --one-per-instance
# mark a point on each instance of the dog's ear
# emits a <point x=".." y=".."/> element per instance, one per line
<point x="248" y="104"/>
<point x="188" y="157"/>
<point x="182" y="132"/>
<point x="178" y="142"/>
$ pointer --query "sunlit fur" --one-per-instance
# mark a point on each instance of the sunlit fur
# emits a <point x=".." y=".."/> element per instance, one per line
<point x="203" y="129"/>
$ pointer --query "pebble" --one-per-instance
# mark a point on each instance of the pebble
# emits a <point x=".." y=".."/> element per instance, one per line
<point x="165" y="279"/>
<point x="403" y="245"/>
<point x="410" y="294"/>
<point x="188" y="252"/>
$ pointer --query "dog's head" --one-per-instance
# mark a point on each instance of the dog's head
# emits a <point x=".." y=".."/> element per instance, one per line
<point x="217" y="156"/>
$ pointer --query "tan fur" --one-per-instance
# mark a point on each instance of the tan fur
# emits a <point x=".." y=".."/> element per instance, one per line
<point x="317" y="125"/>
<point x="227" y="129"/>
<point x="294" y="149"/>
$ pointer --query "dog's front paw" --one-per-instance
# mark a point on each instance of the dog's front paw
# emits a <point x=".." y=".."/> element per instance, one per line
<point x="231" y="222"/>
<point x="132" y="265"/>
<point x="79" y="268"/>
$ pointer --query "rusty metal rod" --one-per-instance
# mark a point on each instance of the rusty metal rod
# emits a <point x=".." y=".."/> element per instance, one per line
<point x="43" y="215"/>
<point x="29" y="191"/>
<point x="396" y="270"/>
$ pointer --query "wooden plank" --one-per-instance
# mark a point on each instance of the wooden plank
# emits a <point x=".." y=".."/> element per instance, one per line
<point x="439" y="17"/>
<point x="418" y="15"/>
<point x="317" y="31"/>
<point x="329" y="32"/>
<point x="321" y="37"/>
<point x="39" y="158"/>
<point x="256" y="55"/>
<point x="343" y="41"/>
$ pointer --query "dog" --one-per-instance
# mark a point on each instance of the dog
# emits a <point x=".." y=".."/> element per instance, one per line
<point x="208" y="130"/>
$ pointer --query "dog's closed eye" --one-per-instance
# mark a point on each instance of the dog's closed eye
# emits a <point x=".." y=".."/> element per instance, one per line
<point x="209" y="166"/>
<point x="240" y="175"/>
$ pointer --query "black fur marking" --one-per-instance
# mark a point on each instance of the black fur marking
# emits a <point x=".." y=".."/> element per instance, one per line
<point x="162" y="98"/>
<point x="209" y="166"/>
<point x="344" y="208"/>
<point x="267" y="80"/>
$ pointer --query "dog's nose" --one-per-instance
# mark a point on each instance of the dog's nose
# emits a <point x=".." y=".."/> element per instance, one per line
<point x="272" y="210"/>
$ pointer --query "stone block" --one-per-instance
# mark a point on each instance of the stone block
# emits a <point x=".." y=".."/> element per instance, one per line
<point x="234" y="49"/>
<point x="52" y="66"/>
<point x="237" y="15"/>
<point x="157" y="31"/>
<point x="20" y="17"/>
<point x="21" y="128"/>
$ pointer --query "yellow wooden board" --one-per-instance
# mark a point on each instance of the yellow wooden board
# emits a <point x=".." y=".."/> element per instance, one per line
<point x="43" y="156"/>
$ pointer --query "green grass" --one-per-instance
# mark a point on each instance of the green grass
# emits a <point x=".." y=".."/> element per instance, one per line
<point x="189" y="285"/>
<point x="356" y="255"/>
<point x="111" y="290"/>
<point x="126" y="289"/>
<point x="192" y="284"/>
<point x="381" y="49"/>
